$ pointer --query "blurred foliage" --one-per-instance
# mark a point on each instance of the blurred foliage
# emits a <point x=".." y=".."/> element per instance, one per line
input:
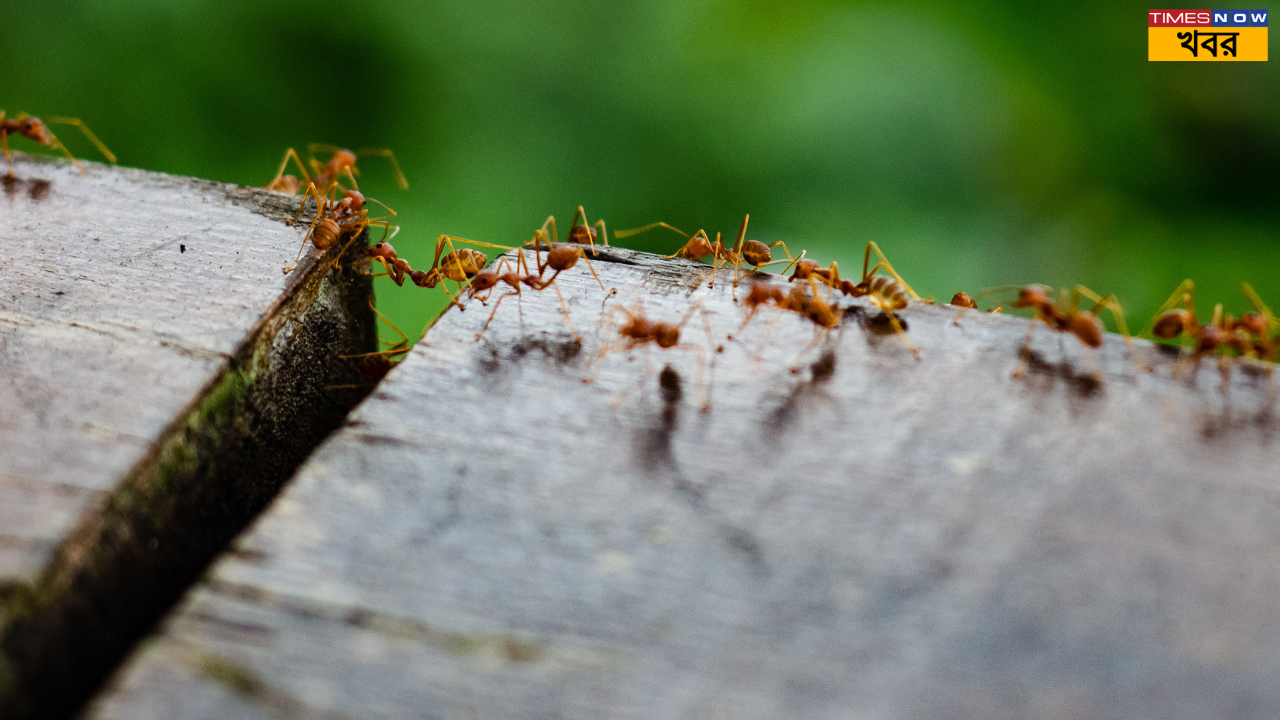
<point x="980" y="144"/>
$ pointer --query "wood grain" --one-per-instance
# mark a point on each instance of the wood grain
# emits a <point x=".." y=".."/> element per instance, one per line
<point x="150" y="350"/>
<point x="869" y="536"/>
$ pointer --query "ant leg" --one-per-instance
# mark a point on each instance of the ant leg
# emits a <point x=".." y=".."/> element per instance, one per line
<point x="884" y="262"/>
<point x="564" y="309"/>
<point x="602" y="231"/>
<point x="555" y="236"/>
<point x="391" y="158"/>
<point x="307" y="235"/>
<point x="384" y="206"/>
<point x="647" y="228"/>
<point x="4" y="141"/>
<point x="494" y="311"/>
<point x="311" y="190"/>
<point x="291" y="153"/>
<point x="87" y="133"/>
<point x="611" y="291"/>
<point x="58" y="144"/>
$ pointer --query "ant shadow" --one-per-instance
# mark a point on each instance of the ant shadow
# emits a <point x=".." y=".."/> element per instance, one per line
<point x="652" y="445"/>
<point x="493" y="357"/>
<point x="785" y="413"/>
<point x="1042" y="375"/>
<point x="37" y="190"/>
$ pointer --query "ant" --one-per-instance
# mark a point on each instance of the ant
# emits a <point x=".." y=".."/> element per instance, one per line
<point x="752" y="252"/>
<point x="583" y="234"/>
<point x="1222" y="331"/>
<point x="456" y="265"/>
<point x="327" y="174"/>
<point x="1065" y="316"/>
<point x="887" y="294"/>
<point x="638" y="330"/>
<point x="335" y="219"/>
<point x="824" y="317"/>
<point x="559" y="259"/>
<point x="33" y="128"/>
<point x="964" y="301"/>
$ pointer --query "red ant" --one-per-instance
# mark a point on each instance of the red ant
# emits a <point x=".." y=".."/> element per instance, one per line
<point x="824" y="317"/>
<point x="583" y="234"/>
<point x="964" y="301"/>
<point x="638" y="330"/>
<point x="752" y="252"/>
<point x="559" y="259"/>
<point x="1065" y="316"/>
<point x="344" y="218"/>
<point x="326" y="175"/>
<point x="887" y="294"/>
<point x="33" y="128"/>
<point x="456" y="265"/>
<point x="1248" y="336"/>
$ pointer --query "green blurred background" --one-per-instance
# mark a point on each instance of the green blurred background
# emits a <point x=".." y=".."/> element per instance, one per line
<point x="980" y="145"/>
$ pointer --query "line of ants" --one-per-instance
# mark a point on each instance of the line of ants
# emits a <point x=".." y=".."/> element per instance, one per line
<point x="342" y="214"/>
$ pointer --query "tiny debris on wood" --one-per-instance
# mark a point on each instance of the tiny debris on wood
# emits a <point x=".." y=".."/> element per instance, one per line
<point x="867" y="536"/>
<point x="151" y="404"/>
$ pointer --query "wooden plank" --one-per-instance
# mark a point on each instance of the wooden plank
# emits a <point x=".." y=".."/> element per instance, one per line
<point x="161" y="378"/>
<point x="870" y="536"/>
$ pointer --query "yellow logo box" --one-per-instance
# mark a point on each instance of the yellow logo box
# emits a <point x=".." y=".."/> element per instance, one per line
<point x="1206" y="44"/>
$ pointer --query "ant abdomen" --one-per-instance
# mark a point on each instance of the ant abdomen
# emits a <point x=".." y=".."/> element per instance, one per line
<point x="756" y="253"/>
<point x="1171" y="324"/>
<point x="1087" y="327"/>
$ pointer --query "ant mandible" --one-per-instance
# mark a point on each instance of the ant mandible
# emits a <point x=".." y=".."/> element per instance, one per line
<point x="33" y="128"/>
<point x="327" y="174"/>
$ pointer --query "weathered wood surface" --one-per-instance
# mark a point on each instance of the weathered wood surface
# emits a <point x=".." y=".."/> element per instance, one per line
<point x="160" y="380"/>
<point x="870" y="537"/>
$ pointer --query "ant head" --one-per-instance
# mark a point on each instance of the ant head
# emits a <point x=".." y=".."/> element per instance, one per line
<point x="756" y="252"/>
<point x="804" y="268"/>
<point x="699" y="246"/>
<point x="1171" y="324"/>
<point x="354" y="199"/>
<point x="1211" y="336"/>
<point x="962" y="299"/>
<point x="563" y="258"/>
<point x="1032" y="296"/>
<point x="1088" y="328"/>
<point x="34" y="129"/>
<point x="583" y="234"/>
<point x="666" y="335"/>
<point x="343" y="159"/>
<point x="484" y="280"/>
<point x="1254" y="322"/>
<point x="382" y="249"/>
